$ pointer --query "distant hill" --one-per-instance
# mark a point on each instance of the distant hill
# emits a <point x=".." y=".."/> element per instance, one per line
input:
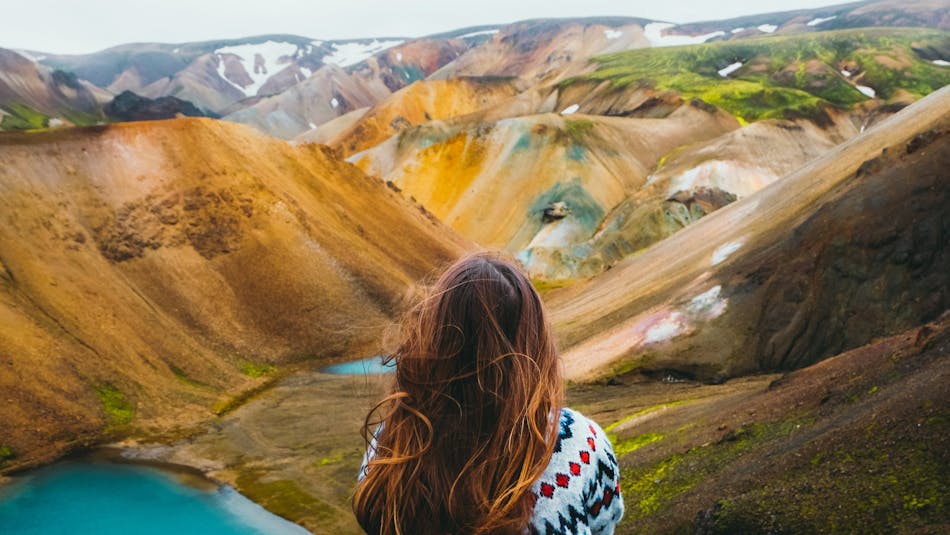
<point x="33" y="96"/>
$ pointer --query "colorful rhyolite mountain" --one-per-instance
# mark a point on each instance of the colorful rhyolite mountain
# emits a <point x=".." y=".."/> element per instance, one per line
<point x="645" y="143"/>
<point x="770" y="198"/>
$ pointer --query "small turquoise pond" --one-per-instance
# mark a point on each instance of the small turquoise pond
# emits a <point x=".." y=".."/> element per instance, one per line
<point x="366" y="366"/>
<point x="80" y="498"/>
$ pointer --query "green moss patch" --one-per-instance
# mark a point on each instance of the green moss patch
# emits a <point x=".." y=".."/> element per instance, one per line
<point x="643" y="412"/>
<point x="876" y="489"/>
<point x="286" y="498"/>
<point x="7" y="453"/>
<point x="118" y="409"/>
<point x="784" y="76"/>
<point x="578" y="129"/>
<point x="22" y="117"/>
<point x="253" y="369"/>
<point x="652" y="488"/>
<point x="623" y="447"/>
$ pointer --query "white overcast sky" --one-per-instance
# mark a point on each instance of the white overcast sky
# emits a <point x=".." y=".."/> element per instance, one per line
<point x="81" y="26"/>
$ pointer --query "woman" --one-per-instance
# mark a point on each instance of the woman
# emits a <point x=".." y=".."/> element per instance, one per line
<point x="468" y="441"/>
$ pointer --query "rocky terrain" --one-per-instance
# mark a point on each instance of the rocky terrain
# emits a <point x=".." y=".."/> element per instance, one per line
<point x="739" y="228"/>
<point x="645" y="143"/>
<point x="148" y="277"/>
<point x="822" y="261"/>
<point x="860" y="421"/>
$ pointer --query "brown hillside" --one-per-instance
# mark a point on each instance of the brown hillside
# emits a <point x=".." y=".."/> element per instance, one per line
<point x="546" y="50"/>
<point x="150" y="270"/>
<point x="850" y="247"/>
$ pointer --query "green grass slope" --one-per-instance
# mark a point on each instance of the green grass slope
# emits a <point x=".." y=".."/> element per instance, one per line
<point x="786" y="77"/>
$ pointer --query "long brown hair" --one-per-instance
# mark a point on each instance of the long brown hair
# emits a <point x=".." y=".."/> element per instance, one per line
<point x="469" y="425"/>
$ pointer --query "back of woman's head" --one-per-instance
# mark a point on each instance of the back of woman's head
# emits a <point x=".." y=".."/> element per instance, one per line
<point x="469" y="425"/>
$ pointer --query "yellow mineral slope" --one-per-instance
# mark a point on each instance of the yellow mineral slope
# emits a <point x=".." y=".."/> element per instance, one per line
<point x="151" y="271"/>
<point x="493" y="181"/>
<point x="418" y="103"/>
<point x="848" y="248"/>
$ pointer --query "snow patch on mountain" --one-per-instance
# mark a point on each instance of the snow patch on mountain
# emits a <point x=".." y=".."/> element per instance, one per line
<point x="737" y="30"/>
<point x="941" y="62"/>
<point x="740" y="179"/>
<point x="612" y="34"/>
<point x="868" y="92"/>
<point x="726" y="71"/>
<point x="570" y="109"/>
<point x="819" y="20"/>
<point x="476" y="34"/>
<point x="334" y="102"/>
<point x="31" y="57"/>
<point x="708" y="305"/>
<point x="766" y="28"/>
<point x="666" y="328"/>
<point x="346" y="54"/>
<point x="724" y="251"/>
<point x="270" y="52"/>
<point x="654" y="33"/>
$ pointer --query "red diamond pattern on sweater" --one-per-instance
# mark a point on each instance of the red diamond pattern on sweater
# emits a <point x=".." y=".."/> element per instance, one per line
<point x="572" y="494"/>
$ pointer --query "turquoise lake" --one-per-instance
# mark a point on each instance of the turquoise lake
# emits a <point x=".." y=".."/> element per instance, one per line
<point x="366" y="366"/>
<point x="80" y="498"/>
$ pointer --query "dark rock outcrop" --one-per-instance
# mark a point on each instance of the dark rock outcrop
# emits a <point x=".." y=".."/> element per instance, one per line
<point x="128" y="106"/>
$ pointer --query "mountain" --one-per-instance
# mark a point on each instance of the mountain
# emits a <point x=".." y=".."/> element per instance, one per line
<point x="147" y="276"/>
<point x="423" y="101"/>
<point x="460" y="170"/>
<point x="645" y="143"/>
<point x="334" y="91"/>
<point x="223" y="76"/>
<point x="850" y="247"/>
<point x="34" y="96"/>
<point x="546" y="49"/>
<point x="864" y="14"/>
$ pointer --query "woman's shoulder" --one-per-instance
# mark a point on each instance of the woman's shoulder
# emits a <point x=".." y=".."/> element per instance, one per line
<point x="574" y="424"/>
<point x="579" y="491"/>
<point x="581" y="437"/>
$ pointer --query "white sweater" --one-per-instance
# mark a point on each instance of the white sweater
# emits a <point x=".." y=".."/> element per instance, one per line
<point x="579" y="492"/>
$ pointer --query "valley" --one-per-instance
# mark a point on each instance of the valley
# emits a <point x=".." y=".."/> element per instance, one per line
<point x="739" y="228"/>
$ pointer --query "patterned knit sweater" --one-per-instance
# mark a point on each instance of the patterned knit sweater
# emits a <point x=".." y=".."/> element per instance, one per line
<point x="579" y="491"/>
